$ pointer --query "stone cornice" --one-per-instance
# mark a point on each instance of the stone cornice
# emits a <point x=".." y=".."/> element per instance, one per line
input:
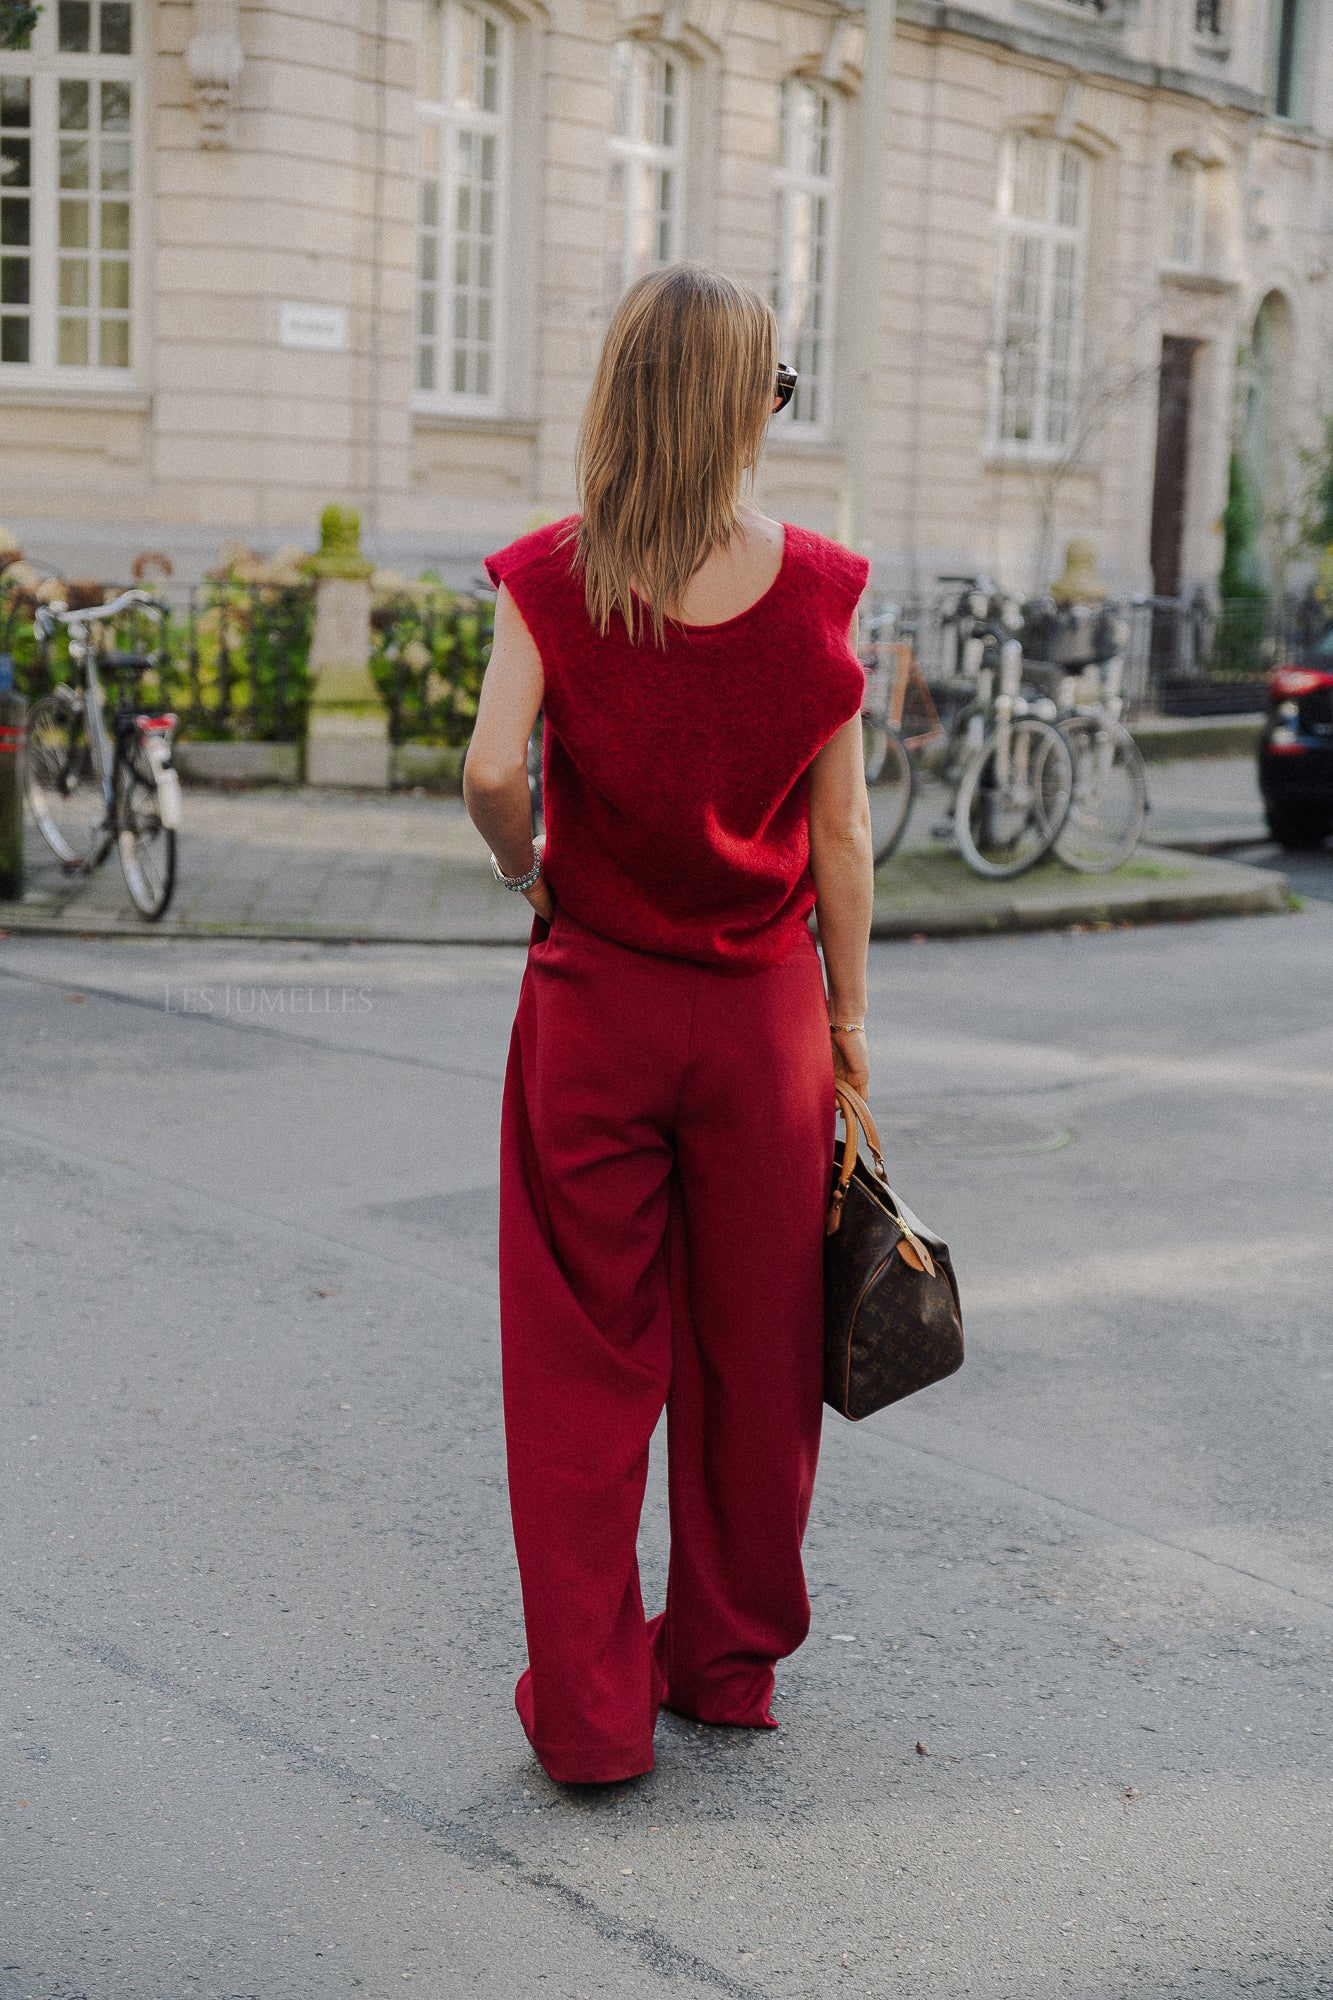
<point x="1089" y="54"/>
<point x="63" y="396"/>
<point x="456" y="423"/>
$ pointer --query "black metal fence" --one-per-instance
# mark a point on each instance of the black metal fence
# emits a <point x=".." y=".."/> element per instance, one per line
<point x="1183" y="656"/>
<point x="241" y="662"/>
<point x="1201" y="656"/>
<point x="233" y="657"/>
<point x="429" y="648"/>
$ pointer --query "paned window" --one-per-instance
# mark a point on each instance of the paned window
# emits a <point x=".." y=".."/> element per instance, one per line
<point x="647" y="164"/>
<point x="464" y="108"/>
<point x="803" y="287"/>
<point x="67" y="195"/>
<point x="1042" y="250"/>
<point x="1185" y="212"/>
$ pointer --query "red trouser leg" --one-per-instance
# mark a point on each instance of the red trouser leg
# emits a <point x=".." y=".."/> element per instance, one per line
<point x="622" y="1062"/>
<point x="755" y="1152"/>
<point x="585" y="1320"/>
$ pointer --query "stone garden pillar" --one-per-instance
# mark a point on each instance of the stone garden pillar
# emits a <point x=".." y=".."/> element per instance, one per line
<point x="348" y="738"/>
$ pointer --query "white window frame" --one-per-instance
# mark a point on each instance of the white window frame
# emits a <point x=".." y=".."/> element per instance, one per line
<point x="804" y="298"/>
<point x="1186" y="180"/>
<point x="641" y="160"/>
<point x="1046" y="237"/>
<point x="455" y="120"/>
<point x="48" y="67"/>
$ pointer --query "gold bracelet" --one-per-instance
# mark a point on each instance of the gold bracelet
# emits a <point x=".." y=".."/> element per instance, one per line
<point x="846" y="1027"/>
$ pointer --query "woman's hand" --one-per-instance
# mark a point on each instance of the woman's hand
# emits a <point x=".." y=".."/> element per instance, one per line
<point x="539" y="895"/>
<point x="851" y="1058"/>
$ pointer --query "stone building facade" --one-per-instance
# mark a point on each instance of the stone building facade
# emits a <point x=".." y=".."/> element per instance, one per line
<point x="258" y="256"/>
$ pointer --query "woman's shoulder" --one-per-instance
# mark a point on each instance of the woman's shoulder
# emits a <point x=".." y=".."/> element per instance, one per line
<point x="547" y="552"/>
<point x="827" y="565"/>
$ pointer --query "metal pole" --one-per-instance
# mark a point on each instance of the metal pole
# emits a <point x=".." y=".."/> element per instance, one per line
<point x="12" y="712"/>
<point x="861" y="294"/>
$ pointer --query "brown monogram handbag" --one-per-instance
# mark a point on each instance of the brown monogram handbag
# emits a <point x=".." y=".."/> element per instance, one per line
<point x="892" y="1321"/>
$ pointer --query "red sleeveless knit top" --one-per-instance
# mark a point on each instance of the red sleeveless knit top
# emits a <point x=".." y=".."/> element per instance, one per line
<point x="677" y="781"/>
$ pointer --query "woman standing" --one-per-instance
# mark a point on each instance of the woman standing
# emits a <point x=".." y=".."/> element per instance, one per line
<point x="667" y="1134"/>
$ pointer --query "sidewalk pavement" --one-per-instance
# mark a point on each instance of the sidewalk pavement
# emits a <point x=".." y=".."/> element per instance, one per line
<point x="319" y="864"/>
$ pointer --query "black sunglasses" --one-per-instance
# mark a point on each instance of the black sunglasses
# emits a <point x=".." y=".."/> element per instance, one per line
<point x="785" y="387"/>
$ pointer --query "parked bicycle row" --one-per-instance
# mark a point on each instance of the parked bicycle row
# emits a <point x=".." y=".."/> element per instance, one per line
<point x="1022" y="725"/>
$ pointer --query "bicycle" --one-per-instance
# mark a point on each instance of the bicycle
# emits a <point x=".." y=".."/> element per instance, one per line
<point x="1109" y="801"/>
<point x="88" y="785"/>
<point x="1010" y="770"/>
<point x="890" y="772"/>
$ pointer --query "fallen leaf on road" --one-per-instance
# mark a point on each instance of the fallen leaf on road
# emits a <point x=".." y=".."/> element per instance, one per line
<point x="921" y="1750"/>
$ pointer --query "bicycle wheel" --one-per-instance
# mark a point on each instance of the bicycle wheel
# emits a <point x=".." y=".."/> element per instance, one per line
<point x="147" y="846"/>
<point x="1011" y="803"/>
<point x="1109" y="799"/>
<point x="60" y="781"/>
<point x="890" y="784"/>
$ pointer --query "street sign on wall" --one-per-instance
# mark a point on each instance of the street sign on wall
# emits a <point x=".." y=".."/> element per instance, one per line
<point x="322" y="328"/>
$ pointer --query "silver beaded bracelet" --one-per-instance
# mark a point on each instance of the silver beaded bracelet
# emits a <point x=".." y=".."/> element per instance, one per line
<point x="518" y="883"/>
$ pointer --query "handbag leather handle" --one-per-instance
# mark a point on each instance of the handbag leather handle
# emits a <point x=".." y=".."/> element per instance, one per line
<point x="856" y="1116"/>
<point x="862" y="1109"/>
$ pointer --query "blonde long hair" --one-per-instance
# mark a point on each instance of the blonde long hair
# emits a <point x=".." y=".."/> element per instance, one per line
<point x="670" y="434"/>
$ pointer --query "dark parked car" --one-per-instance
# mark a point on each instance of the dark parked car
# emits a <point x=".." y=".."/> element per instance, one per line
<point x="1296" y="749"/>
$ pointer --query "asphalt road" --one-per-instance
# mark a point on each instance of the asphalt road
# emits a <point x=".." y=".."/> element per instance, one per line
<point x="1063" y="1723"/>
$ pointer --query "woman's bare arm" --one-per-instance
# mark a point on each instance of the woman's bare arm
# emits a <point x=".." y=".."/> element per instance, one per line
<point x="843" y="864"/>
<point x="495" y="771"/>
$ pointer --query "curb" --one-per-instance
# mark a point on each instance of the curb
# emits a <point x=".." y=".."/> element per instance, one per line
<point x="1248" y="892"/>
<point x="1213" y="843"/>
<point x="1168" y="740"/>
<point x="1267" y="898"/>
<point x="27" y="924"/>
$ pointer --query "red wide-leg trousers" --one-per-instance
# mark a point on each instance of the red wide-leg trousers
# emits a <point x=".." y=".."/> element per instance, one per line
<point x="666" y="1147"/>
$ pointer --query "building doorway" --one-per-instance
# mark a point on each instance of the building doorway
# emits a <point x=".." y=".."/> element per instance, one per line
<point x="1175" y="381"/>
<point x="1264" y="443"/>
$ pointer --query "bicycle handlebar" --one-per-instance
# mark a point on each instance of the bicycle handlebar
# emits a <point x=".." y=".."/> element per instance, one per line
<point x="50" y="615"/>
<point x="88" y="614"/>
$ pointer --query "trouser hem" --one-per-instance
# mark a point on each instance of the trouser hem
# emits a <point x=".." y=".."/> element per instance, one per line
<point x="575" y="1766"/>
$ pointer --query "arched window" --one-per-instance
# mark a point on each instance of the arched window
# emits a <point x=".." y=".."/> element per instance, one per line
<point x="68" y="115"/>
<point x="464" y="111"/>
<point x="803" y="282"/>
<point x="1042" y="252"/>
<point x="647" y="165"/>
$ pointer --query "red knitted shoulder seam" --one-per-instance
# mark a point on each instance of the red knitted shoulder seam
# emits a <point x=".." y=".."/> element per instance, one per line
<point x="548" y="548"/>
<point x="835" y="571"/>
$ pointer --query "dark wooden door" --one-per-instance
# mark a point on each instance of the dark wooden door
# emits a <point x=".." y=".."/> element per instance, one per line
<point x="1171" y="472"/>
